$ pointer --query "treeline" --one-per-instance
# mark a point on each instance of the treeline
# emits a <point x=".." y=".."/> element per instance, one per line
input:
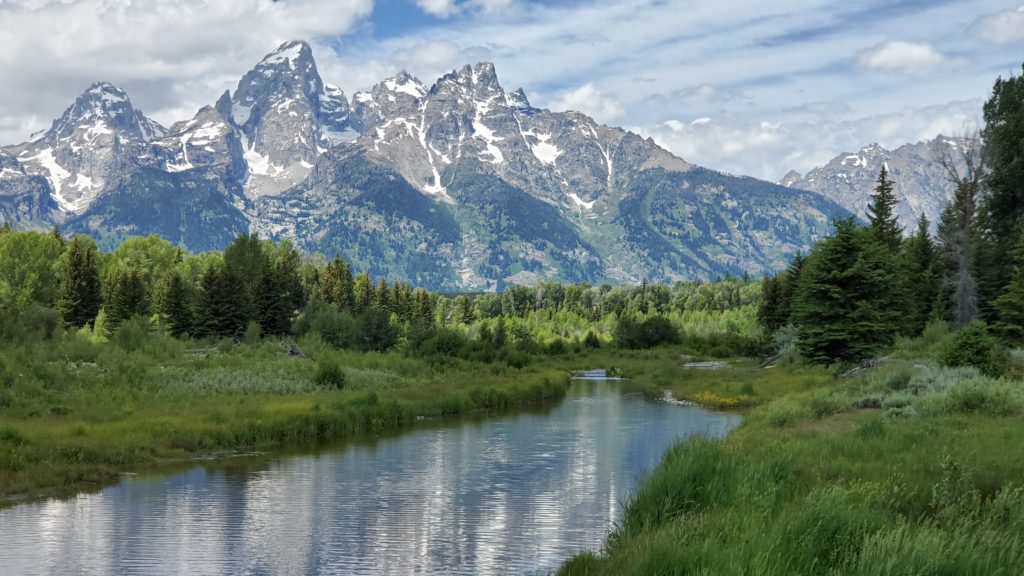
<point x="860" y="289"/>
<point x="256" y="287"/>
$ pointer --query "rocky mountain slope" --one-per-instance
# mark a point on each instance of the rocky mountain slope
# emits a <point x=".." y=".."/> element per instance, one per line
<point x="921" y="184"/>
<point x="457" y="185"/>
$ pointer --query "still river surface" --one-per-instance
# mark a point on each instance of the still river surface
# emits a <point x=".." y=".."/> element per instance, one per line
<point x="516" y="494"/>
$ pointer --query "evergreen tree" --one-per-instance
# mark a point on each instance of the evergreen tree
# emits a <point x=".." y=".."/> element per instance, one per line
<point x="126" y="295"/>
<point x="843" y="306"/>
<point x="274" y="299"/>
<point x="224" y="306"/>
<point x="1011" y="303"/>
<point x="175" y="304"/>
<point x="382" y="296"/>
<point x="923" y="277"/>
<point x="768" y="310"/>
<point x="362" y="292"/>
<point x="81" y="295"/>
<point x="882" y="213"/>
<point x="334" y="285"/>
<point x="464" y="313"/>
<point x="1002" y="209"/>
<point x="788" y="283"/>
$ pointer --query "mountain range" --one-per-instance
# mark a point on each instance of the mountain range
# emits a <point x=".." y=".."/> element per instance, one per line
<point x="459" y="185"/>
<point x="920" y="182"/>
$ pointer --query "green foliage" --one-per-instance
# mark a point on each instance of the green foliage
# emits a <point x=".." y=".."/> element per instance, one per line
<point x="224" y="307"/>
<point x="1003" y="205"/>
<point x="882" y="219"/>
<point x="973" y="346"/>
<point x="648" y="333"/>
<point x="127" y="295"/>
<point x="174" y="303"/>
<point x="844" y="307"/>
<point x="80" y="296"/>
<point x="1010" y="304"/>
<point x="131" y="333"/>
<point x="329" y="375"/>
<point x="27" y="272"/>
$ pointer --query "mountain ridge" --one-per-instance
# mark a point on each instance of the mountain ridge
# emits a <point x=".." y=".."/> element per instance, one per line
<point x="459" y="185"/>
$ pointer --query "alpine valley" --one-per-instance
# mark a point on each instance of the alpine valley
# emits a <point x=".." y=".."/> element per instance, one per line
<point x="454" y="186"/>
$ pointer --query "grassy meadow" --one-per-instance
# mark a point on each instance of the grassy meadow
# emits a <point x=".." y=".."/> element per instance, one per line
<point x="907" y="468"/>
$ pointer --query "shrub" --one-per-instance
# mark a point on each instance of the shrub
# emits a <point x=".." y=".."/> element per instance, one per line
<point x="339" y="329"/>
<point x="898" y="380"/>
<point x="591" y="341"/>
<point x="329" y="374"/>
<point x="654" y="331"/>
<point x="556" y="347"/>
<point x="973" y="346"/>
<point x="984" y="396"/>
<point x="133" y="333"/>
<point x="252" y="333"/>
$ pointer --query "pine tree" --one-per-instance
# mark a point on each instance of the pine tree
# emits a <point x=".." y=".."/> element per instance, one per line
<point x="882" y="213"/>
<point x="1011" y="303"/>
<point x="362" y="292"/>
<point x="274" y="299"/>
<point x="334" y="286"/>
<point x="382" y="296"/>
<point x="922" y="277"/>
<point x="464" y="313"/>
<point x="843" y="306"/>
<point x="175" y="304"/>
<point x="768" y="309"/>
<point x="224" y="305"/>
<point x="81" y="294"/>
<point x="788" y="283"/>
<point x="1002" y="209"/>
<point x="126" y="295"/>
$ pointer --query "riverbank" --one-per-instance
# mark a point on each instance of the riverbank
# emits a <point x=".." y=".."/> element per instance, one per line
<point x="905" y="469"/>
<point x="75" y="416"/>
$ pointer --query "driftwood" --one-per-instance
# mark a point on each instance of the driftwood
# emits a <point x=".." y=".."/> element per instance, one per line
<point x="770" y="360"/>
<point x="705" y="365"/>
<point x="865" y="365"/>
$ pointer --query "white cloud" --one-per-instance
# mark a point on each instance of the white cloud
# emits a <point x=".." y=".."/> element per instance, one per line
<point x="768" y="149"/>
<point x="899" y="56"/>
<point x="448" y="8"/>
<point x="439" y="8"/>
<point x="1002" y="27"/>
<point x="590" y="101"/>
<point x="169" y="55"/>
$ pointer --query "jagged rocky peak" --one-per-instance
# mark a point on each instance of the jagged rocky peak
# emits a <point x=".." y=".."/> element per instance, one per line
<point x="288" y="73"/>
<point x="518" y="99"/>
<point x="103" y="109"/>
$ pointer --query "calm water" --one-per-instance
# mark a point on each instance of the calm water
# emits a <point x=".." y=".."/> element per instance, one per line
<point x="510" y="495"/>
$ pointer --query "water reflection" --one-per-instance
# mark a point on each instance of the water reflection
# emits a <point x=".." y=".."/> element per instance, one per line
<point x="511" y="495"/>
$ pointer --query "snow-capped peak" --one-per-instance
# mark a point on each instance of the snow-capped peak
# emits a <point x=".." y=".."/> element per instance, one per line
<point x="292" y="52"/>
<point x="406" y="84"/>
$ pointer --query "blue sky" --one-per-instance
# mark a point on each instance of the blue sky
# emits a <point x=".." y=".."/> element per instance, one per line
<point x="744" y="86"/>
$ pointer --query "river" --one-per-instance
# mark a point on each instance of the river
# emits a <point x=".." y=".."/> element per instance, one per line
<point x="515" y="494"/>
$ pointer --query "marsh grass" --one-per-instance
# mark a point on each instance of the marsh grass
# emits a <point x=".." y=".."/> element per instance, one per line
<point x="902" y="470"/>
<point x="76" y="412"/>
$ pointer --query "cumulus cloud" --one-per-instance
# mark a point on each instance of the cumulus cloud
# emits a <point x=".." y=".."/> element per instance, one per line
<point x="1002" y="28"/>
<point x="170" y="55"/>
<point x="590" y="101"/>
<point x="899" y="56"/>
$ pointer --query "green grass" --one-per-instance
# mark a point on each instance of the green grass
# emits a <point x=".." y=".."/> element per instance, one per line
<point x="75" y="414"/>
<point x="811" y="484"/>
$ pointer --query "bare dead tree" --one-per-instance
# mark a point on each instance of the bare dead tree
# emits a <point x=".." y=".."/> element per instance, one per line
<point x="965" y="168"/>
